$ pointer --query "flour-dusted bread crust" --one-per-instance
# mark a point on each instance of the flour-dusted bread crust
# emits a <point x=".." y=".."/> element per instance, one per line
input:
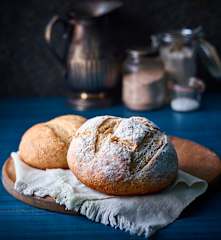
<point x="122" y="156"/>
<point x="45" y="145"/>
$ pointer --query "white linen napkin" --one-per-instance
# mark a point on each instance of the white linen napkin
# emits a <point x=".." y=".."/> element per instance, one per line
<point x="142" y="215"/>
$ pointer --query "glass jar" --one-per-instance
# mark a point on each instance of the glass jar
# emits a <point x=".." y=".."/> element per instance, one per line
<point x="144" y="84"/>
<point x="178" y="50"/>
<point x="187" y="98"/>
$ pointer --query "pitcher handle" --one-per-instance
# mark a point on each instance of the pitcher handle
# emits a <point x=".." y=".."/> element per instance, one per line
<point x="48" y="36"/>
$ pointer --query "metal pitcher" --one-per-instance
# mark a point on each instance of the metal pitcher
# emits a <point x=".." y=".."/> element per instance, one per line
<point x="90" y="60"/>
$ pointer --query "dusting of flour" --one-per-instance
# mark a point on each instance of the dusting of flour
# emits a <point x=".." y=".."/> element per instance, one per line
<point x="123" y="153"/>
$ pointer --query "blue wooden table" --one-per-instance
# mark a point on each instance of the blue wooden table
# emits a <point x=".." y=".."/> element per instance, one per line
<point x="201" y="220"/>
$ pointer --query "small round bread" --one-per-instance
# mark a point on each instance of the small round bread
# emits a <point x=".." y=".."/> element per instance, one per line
<point x="122" y="156"/>
<point x="45" y="145"/>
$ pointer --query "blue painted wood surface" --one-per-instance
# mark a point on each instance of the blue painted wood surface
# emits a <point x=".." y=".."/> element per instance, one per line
<point x="201" y="220"/>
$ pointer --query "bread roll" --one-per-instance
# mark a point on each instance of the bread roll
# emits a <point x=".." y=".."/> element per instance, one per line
<point x="122" y="156"/>
<point x="45" y="145"/>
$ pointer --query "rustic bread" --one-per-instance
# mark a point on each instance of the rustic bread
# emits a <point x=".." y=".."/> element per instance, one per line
<point x="45" y="145"/>
<point x="122" y="156"/>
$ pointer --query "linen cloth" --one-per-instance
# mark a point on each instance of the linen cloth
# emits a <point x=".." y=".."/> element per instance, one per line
<point x="141" y="215"/>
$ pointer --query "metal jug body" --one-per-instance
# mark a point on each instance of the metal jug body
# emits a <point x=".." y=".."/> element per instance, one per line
<point x="91" y="62"/>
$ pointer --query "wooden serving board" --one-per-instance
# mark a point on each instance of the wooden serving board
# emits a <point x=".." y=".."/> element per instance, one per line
<point x="193" y="158"/>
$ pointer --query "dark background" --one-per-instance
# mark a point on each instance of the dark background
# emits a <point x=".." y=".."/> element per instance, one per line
<point x="27" y="68"/>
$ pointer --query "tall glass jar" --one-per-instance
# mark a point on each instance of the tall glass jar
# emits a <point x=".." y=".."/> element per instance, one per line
<point x="144" y="84"/>
<point x="179" y="49"/>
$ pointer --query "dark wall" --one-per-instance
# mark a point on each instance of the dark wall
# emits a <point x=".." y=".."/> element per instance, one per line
<point x="28" y="68"/>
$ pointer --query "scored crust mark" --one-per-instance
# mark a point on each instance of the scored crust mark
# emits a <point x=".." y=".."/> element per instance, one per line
<point x="122" y="156"/>
<point x="152" y="151"/>
<point x="85" y="139"/>
<point x="146" y="122"/>
<point x="148" y="150"/>
<point x="45" y="145"/>
<point x="105" y="130"/>
<point x="65" y="126"/>
<point x="59" y="132"/>
<point x="124" y="143"/>
<point x="139" y="137"/>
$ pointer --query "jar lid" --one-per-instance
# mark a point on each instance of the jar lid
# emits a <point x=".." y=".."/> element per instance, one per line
<point x="137" y="52"/>
<point x="184" y="35"/>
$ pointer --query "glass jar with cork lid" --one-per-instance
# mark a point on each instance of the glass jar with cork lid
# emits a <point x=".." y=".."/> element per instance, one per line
<point x="144" y="83"/>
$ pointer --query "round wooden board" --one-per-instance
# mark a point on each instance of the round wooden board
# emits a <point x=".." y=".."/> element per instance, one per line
<point x="193" y="158"/>
<point x="8" y="180"/>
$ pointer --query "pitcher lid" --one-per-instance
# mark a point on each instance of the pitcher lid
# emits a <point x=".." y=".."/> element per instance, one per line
<point x="97" y="8"/>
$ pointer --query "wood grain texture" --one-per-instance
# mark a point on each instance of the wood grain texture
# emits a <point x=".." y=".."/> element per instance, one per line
<point x="200" y="220"/>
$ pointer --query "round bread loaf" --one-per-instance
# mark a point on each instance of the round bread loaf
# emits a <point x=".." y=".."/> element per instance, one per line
<point x="45" y="145"/>
<point x="122" y="156"/>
